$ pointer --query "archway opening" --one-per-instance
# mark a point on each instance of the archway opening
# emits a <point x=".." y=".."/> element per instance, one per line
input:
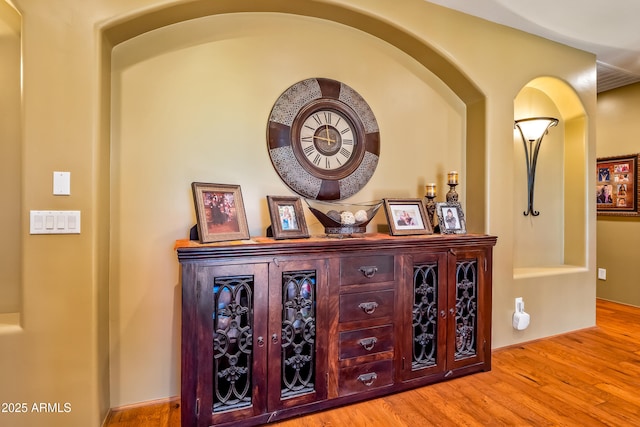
<point x="119" y="266"/>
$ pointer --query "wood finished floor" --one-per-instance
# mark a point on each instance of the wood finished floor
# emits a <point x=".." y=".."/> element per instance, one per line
<point x="584" y="378"/>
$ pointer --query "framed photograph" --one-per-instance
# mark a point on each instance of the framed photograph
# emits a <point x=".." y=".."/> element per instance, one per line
<point x="220" y="212"/>
<point x="407" y="216"/>
<point x="287" y="217"/>
<point x="451" y="218"/>
<point x="617" y="185"/>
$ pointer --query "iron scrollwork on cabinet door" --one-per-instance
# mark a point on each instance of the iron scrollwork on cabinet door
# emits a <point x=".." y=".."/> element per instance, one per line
<point x="425" y="315"/>
<point x="466" y="309"/>
<point x="298" y="333"/>
<point x="232" y="342"/>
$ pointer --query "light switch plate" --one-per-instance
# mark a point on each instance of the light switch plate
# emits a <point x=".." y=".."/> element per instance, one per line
<point x="55" y="222"/>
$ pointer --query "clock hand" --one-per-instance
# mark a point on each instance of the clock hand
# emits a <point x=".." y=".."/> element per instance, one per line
<point x="329" y="140"/>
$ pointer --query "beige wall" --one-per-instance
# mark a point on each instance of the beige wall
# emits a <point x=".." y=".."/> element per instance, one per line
<point x="618" y="112"/>
<point x="184" y="97"/>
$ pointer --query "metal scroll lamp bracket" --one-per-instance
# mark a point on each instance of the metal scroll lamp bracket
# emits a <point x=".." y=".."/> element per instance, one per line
<point x="532" y="130"/>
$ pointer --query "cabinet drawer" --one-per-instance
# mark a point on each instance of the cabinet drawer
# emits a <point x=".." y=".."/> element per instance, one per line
<point x="366" y="269"/>
<point x="365" y="377"/>
<point x="366" y="305"/>
<point x="363" y="342"/>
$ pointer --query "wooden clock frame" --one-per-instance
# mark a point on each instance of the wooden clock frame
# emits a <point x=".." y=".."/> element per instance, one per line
<point x="292" y="108"/>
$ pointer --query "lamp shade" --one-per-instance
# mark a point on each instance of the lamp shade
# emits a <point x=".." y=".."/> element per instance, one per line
<point x="534" y="128"/>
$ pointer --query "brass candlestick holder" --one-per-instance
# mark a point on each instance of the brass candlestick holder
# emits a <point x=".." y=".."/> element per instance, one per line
<point x="431" y="203"/>
<point x="452" y="196"/>
<point x="452" y="181"/>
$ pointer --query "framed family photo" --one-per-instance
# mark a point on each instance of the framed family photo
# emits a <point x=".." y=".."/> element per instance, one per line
<point x="287" y="217"/>
<point x="220" y="212"/>
<point x="406" y="217"/>
<point x="617" y="185"/>
<point x="451" y="218"/>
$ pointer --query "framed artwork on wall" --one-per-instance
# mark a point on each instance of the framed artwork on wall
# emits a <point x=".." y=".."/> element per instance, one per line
<point x="451" y="218"/>
<point x="406" y="217"/>
<point x="617" y="185"/>
<point x="287" y="217"/>
<point x="220" y="212"/>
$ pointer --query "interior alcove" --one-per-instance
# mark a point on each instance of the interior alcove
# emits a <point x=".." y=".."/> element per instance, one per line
<point x="474" y="173"/>
<point x="11" y="170"/>
<point x="555" y="241"/>
<point x="128" y="278"/>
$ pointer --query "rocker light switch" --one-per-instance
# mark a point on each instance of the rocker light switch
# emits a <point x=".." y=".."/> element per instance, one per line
<point x="55" y="222"/>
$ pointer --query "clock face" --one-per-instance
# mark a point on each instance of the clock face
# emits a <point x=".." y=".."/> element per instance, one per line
<point x="323" y="139"/>
<point x="327" y="138"/>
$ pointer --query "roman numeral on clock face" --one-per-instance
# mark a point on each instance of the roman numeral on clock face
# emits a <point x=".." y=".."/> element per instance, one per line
<point x="327" y="139"/>
<point x="309" y="150"/>
<point x="346" y="153"/>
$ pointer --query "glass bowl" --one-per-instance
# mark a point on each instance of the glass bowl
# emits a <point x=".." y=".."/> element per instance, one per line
<point x="343" y="219"/>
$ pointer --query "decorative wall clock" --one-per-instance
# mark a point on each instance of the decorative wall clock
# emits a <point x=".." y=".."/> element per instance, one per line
<point x="323" y="139"/>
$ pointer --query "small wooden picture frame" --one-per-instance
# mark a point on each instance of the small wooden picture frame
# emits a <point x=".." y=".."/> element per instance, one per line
<point x="287" y="217"/>
<point x="451" y="218"/>
<point x="220" y="212"/>
<point x="406" y="217"/>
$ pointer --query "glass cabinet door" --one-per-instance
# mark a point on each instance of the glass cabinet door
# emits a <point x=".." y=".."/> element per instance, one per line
<point x="232" y="366"/>
<point x="466" y="301"/>
<point x="425" y="297"/>
<point x="444" y="301"/>
<point x="297" y="334"/>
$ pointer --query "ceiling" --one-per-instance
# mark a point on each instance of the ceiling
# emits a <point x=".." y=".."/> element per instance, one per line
<point x="607" y="28"/>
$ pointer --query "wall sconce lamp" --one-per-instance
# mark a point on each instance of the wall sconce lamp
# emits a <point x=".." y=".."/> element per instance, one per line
<point x="532" y="130"/>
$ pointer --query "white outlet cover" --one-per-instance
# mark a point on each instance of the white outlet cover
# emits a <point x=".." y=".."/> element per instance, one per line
<point x="602" y="273"/>
<point x="61" y="183"/>
<point x="519" y="305"/>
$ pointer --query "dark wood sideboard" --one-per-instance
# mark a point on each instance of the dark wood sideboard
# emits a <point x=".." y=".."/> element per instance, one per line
<point x="275" y="329"/>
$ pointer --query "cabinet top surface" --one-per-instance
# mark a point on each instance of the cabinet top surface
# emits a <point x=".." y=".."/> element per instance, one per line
<point x="189" y="249"/>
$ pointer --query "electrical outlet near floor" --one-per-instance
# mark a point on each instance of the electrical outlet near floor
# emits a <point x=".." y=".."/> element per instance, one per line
<point x="602" y="273"/>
